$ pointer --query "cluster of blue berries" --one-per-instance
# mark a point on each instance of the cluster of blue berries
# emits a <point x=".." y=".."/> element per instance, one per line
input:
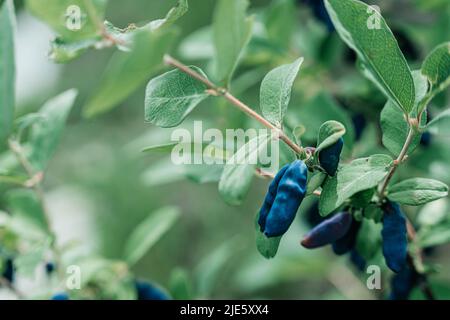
<point x="286" y="193"/>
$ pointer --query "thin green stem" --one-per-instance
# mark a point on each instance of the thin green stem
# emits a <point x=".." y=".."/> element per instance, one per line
<point x="218" y="91"/>
<point x="397" y="162"/>
<point x="37" y="178"/>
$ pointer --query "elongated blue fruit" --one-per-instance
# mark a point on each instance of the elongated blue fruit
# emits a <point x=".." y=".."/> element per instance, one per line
<point x="328" y="231"/>
<point x="403" y="283"/>
<point x="270" y="197"/>
<point x="8" y="270"/>
<point x="394" y="236"/>
<point x="347" y="242"/>
<point x="329" y="157"/>
<point x="290" y="193"/>
<point x="147" y="291"/>
<point x="61" y="296"/>
<point x="357" y="260"/>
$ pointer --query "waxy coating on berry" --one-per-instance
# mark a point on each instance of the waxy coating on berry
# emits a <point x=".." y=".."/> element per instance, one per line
<point x="61" y="296"/>
<point x="394" y="234"/>
<point x="8" y="270"/>
<point x="49" y="267"/>
<point x="148" y="291"/>
<point x="357" y="260"/>
<point x="270" y="197"/>
<point x="290" y="193"/>
<point x="403" y="283"/>
<point x="329" y="157"/>
<point x="328" y="231"/>
<point x="347" y="242"/>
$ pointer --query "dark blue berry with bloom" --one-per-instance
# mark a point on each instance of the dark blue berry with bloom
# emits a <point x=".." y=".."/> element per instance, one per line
<point x="49" y="267"/>
<point x="403" y="283"/>
<point x="147" y="291"/>
<point x="394" y="236"/>
<point x="283" y="199"/>
<point x="8" y="270"/>
<point x="357" y="260"/>
<point x="61" y="296"/>
<point x="330" y="156"/>
<point x="347" y="242"/>
<point x="328" y="231"/>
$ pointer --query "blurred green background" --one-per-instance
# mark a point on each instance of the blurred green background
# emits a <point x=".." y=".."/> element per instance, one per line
<point x="98" y="189"/>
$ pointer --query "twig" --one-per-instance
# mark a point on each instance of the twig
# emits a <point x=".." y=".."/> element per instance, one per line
<point x="17" y="150"/>
<point x="37" y="179"/>
<point x="218" y="91"/>
<point x="424" y="285"/>
<point x="397" y="162"/>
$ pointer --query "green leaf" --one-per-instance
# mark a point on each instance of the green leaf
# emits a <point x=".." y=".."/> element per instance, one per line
<point x="311" y="119"/>
<point x="25" y="205"/>
<point x="27" y="262"/>
<point x="435" y="236"/>
<point x="7" y="70"/>
<point x="170" y="97"/>
<point x="148" y="232"/>
<point x="231" y="33"/>
<point x="212" y="267"/>
<point x="395" y="129"/>
<point x="164" y="172"/>
<point x="441" y="124"/>
<point x="417" y="191"/>
<point x="360" y="174"/>
<point x="433" y="213"/>
<point x="315" y="182"/>
<point x="362" y="198"/>
<point x="63" y="52"/>
<point x="436" y="67"/>
<point x="173" y="15"/>
<point x="239" y="170"/>
<point x="280" y="21"/>
<point x="127" y="71"/>
<point x="373" y="212"/>
<point x="276" y="91"/>
<point x="267" y="247"/>
<point x="209" y="150"/>
<point x="377" y="49"/>
<point x="46" y="133"/>
<point x="179" y="284"/>
<point x="61" y="16"/>
<point x="329" y="134"/>
<point x="421" y="87"/>
<point x="198" y="45"/>
<point x="368" y="239"/>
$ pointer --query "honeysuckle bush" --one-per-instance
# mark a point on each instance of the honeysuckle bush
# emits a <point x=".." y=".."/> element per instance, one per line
<point x="363" y="135"/>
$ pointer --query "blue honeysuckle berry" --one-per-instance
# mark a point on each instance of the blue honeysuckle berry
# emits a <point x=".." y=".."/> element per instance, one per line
<point x="289" y="194"/>
<point x="61" y="296"/>
<point x="426" y="139"/>
<point x="328" y="231"/>
<point x="8" y="270"/>
<point x="347" y="242"/>
<point x="357" y="260"/>
<point x="330" y="156"/>
<point x="359" y="124"/>
<point x="270" y="198"/>
<point x="394" y="234"/>
<point x="148" y="291"/>
<point x="403" y="283"/>
<point x="49" y="267"/>
<point x="320" y="12"/>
